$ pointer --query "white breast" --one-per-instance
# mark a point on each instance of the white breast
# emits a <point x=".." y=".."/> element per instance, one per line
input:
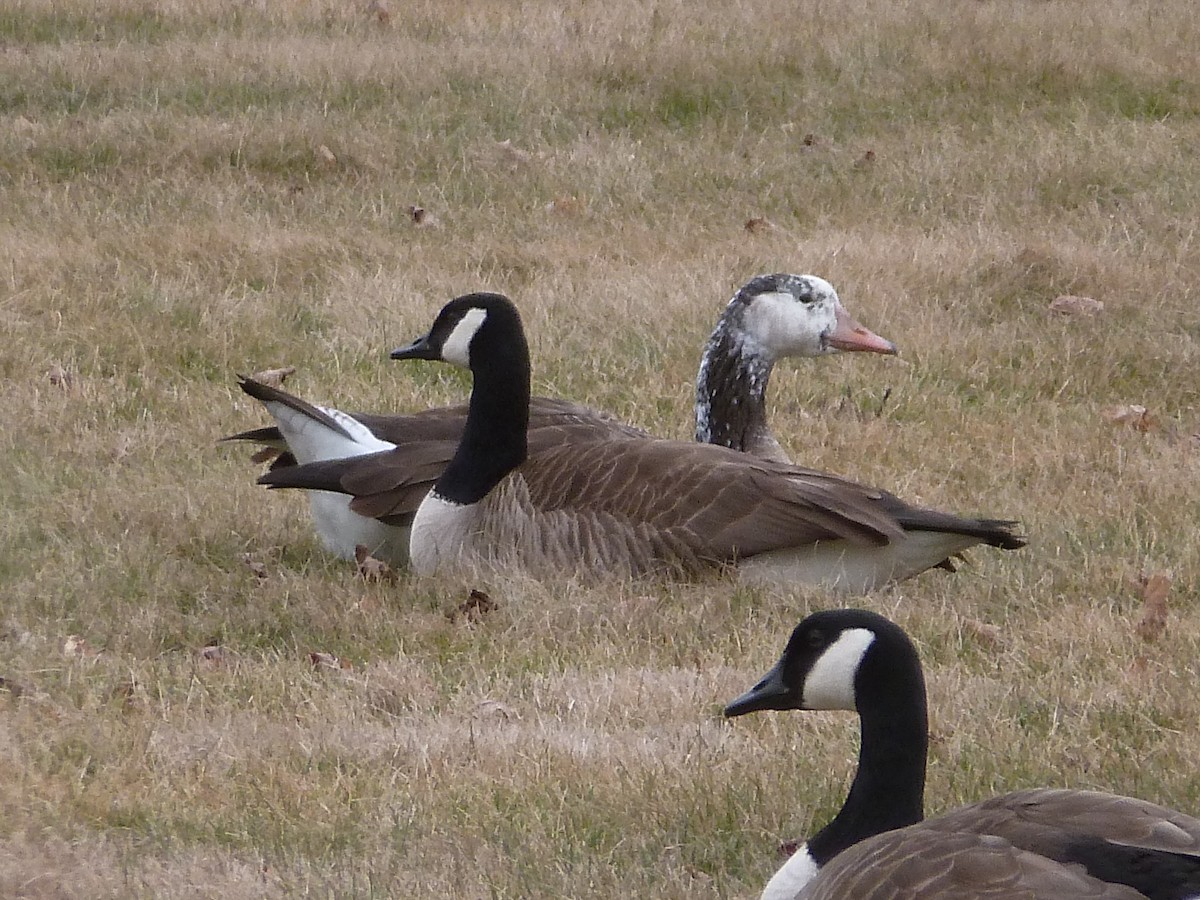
<point x="789" y="880"/>
<point x="444" y="534"/>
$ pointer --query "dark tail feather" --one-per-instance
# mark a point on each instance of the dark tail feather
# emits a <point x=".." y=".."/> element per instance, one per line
<point x="264" y="393"/>
<point x="268" y="437"/>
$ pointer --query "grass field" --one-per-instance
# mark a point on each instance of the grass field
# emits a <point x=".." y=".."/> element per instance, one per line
<point x="189" y="190"/>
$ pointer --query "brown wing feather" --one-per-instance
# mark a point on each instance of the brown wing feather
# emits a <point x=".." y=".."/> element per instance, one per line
<point x="917" y="862"/>
<point x="1033" y="818"/>
<point x="721" y="503"/>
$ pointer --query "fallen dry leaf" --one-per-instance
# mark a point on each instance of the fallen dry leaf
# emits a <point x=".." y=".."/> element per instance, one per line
<point x="566" y="205"/>
<point x="1154" y="591"/>
<point x="265" y="454"/>
<point x="514" y="156"/>
<point x="211" y="656"/>
<point x="60" y="377"/>
<point x="328" y="661"/>
<point x="327" y="157"/>
<point x="494" y="708"/>
<point x="422" y="218"/>
<point x="1130" y="415"/>
<point x="257" y="569"/>
<point x="379" y="9"/>
<point x="1069" y="305"/>
<point x="758" y="224"/>
<point x="984" y="632"/>
<point x="473" y="608"/>
<point x="274" y="377"/>
<point x="370" y="568"/>
<point x="866" y="160"/>
<point x="74" y="645"/>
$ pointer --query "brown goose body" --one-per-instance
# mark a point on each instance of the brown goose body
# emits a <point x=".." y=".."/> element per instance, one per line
<point x="1082" y="843"/>
<point x="638" y="506"/>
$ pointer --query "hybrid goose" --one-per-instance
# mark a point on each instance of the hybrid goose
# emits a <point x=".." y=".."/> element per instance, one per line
<point x="1039" y="843"/>
<point x="769" y="318"/>
<point x="621" y="505"/>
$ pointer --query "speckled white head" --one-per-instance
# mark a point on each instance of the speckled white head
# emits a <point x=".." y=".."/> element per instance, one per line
<point x="830" y="682"/>
<point x="792" y="322"/>
<point x="457" y="347"/>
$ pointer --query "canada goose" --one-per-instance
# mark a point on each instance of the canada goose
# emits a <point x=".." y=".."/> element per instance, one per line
<point x="770" y="317"/>
<point x="1043" y="842"/>
<point x="620" y="504"/>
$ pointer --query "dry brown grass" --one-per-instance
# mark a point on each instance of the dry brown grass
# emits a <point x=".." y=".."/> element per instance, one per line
<point x="168" y="218"/>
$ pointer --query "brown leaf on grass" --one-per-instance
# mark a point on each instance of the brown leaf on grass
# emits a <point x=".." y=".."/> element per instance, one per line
<point x="328" y="661"/>
<point x="758" y="224"/>
<point x="379" y="9"/>
<point x="212" y="656"/>
<point x="494" y="709"/>
<point x="370" y="568"/>
<point x="60" y="377"/>
<point x="474" y="608"/>
<point x="327" y="157"/>
<point x="1154" y="590"/>
<point x="265" y="454"/>
<point x="15" y="688"/>
<point x="77" y="647"/>
<point x="565" y="205"/>
<point x="866" y="160"/>
<point x="1069" y="305"/>
<point x="125" y="691"/>
<point x="787" y="849"/>
<point x="1131" y="415"/>
<point x="422" y="218"/>
<point x="513" y="156"/>
<point x="257" y="569"/>
<point x="984" y="633"/>
<point x="274" y="377"/>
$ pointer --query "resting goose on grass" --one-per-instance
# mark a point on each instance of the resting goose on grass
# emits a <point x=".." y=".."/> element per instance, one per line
<point x="1039" y="843"/>
<point x="622" y="505"/>
<point x="770" y="317"/>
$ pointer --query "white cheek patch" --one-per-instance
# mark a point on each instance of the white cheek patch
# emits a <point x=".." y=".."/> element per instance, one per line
<point x="830" y="682"/>
<point x="457" y="347"/>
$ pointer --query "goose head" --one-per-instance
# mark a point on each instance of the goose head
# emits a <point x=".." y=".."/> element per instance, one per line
<point x="797" y="315"/>
<point x="850" y="659"/>
<point x="471" y="331"/>
<point x="853" y="660"/>
<point x="770" y="317"/>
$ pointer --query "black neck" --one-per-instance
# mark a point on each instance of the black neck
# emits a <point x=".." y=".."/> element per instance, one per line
<point x="494" y="441"/>
<point x="731" y="393"/>
<point x="889" y="788"/>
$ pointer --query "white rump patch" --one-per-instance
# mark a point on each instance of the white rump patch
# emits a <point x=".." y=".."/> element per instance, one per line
<point x="457" y="347"/>
<point x="792" y="876"/>
<point x="830" y="682"/>
<point x="311" y="440"/>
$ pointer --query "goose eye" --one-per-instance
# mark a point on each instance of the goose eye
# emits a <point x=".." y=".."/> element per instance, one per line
<point x="815" y="638"/>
